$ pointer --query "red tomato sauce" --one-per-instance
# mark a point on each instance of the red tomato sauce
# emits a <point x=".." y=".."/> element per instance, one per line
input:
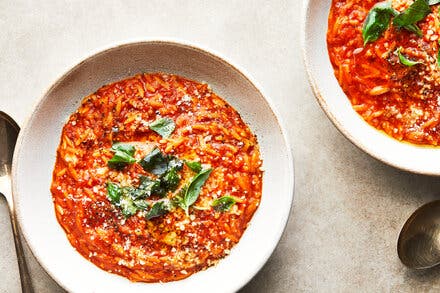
<point x="402" y="101"/>
<point x="175" y="245"/>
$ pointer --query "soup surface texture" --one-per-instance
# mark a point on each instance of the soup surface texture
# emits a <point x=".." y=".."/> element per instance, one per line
<point x="393" y="82"/>
<point x="156" y="178"/>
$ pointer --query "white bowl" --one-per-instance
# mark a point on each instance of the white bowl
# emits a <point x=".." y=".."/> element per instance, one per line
<point x="36" y="150"/>
<point x="406" y="156"/>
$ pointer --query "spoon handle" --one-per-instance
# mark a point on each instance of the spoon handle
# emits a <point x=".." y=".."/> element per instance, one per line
<point x="25" y="280"/>
<point x="26" y="283"/>
<point x="9" y="272"/>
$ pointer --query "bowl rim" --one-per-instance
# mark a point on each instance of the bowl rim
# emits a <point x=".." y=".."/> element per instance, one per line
<point x="319" y="95"/>
<point x="91" y="54"/>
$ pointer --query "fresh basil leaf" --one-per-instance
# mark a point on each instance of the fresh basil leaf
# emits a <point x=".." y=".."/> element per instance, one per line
<point x="377" y="21"/>
<point x="160" y="208"/>
<point x="174" y="163"/>
<point x="171" y="179"/>
<point x="141" y="204"/>
<point x="124" y="147"/>
<point x="136" y="193"/>
<point x="177" y="199"/>
<point x="408" y="18"/>
<point x="120" y="160"/>
<point x="195" y="166"/>
<point x="149" y="186"/>
<point x="113" y="193"/>
<point x="223" y="203"/>
<point x="128" y="208"/>
<point x="158" y="163"/>
<point x="146" y="188"/>
<point x="128" y="191"/>
<point x="155" y="162"/>
<point x="404" y="60"/>
<point x="193" y="191"/>
<point x="433" y="2"/>
<point x="129" y="199"/>
<point x="413" y="28"/>
<point x="163" y="126"/>
<point x="122" y="157"/>
<point x="161" y="191"/>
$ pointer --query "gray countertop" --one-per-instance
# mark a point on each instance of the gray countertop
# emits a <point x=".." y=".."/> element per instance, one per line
<point x="348" y="207"/>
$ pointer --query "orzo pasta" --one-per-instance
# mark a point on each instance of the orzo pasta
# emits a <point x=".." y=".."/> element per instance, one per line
<point x="156" y="178"/>
<point x="387" y="64"/>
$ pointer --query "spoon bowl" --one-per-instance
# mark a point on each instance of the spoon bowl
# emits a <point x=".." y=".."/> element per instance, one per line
<point x="418" y="246"/>
<point x="8" y="133"/>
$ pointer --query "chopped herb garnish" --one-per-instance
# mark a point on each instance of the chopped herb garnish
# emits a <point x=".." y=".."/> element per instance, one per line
<point x="160" y="208"/>
<point x="177" y="200"/>
<point x="158" y="163"/>
<point x="408" y="18"/>
<point x="404" y="60"/>
<point x="122" y="157"/>
<point x="223" y="203"/>
<point x="155" y="162"/>
<point x="127" y="206"/>
<point x="193" y="191"/>
<point x="378" y="18"/>
<point x="174" y="163"/>
<point x="195" y="166"/>
<point x="129" y="200"/>
<point x="124" y="147"/>
<point x="165" y="166"/>
<point x="377" y="21"/>
<point x="141" y="204"/>
<point x="121" y="197"/>
<point x="171" y="179"/>
<point x="149" y="186"/>
<point x="163" y="126"/>
<point x="113" y="193"/>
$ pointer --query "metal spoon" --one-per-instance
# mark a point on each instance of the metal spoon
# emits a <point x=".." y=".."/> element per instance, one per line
<point x="418" y="246"/>
<point x="8" y="137"/>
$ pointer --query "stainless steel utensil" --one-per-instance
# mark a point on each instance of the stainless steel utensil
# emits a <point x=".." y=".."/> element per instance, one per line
<point x="418" y="246"/>
<point x="8" y="137"/>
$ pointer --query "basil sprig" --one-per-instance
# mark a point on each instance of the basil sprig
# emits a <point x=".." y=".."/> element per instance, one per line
<point x="129" y="200"/>
<point x="113" y="193"/>
<point x="163" y="126"/>
<point x="148" y="187"/>
<point x="158" y="163"/>
<point x="189" y="194"/>
<point x="196" y="166"/>
<point x="377" y="21"/>
<point x="122" y="157"/>
<point x="223" y="203"/>
<point x="408" y="18"/>
<point x="404" y="60"/>
<point x="378" y="18"/>
<point x="125" y="199"/>
<point x="160" y="208"/>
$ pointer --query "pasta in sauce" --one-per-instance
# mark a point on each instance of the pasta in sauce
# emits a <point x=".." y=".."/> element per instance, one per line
<point x="394" y="81"/>
<point x="173" y="245"/>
